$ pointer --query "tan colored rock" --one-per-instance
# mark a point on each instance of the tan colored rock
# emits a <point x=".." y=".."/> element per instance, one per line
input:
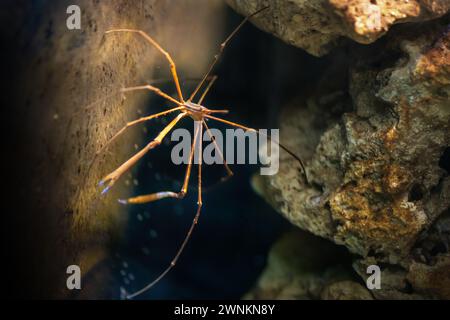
<point x="319" y="25"/>
<point x="367" y="20"/>
<point x="345" y="290"/>
<point x="378" y="182"/>
<point x="70" y="105"/>
<point x="431" y="280"/>
<point x="300" y="266"/>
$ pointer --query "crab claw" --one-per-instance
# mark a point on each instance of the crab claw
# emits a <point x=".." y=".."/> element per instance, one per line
<point x="122" y="201"/>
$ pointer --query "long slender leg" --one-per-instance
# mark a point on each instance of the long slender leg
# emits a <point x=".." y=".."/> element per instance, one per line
<point x="210" y="84"/>
<point x="148" y="87"/>
<point x="230" y="123"/>
<point x="111" y="178"/>
<point x="222" y="47"/>
<point x="277" y="142"/>
<point x="152" y="81"/>
<point x="132" y="123"/>
<point x="151" y="88"/>
<point x="173" y="68"/>
<point x="229" y="172"/>
<point x="167" y="194"/>
<point x="189" y="233"/>
<point x="218" y="111"/>
<point x="93" y="104"/>
<point x="122" y="90"/>
<point x="129" y="124"/>
<point x="200" y="160"/>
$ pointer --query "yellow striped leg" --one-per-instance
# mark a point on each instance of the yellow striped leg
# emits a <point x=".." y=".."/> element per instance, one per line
<point x="111" y="178"/>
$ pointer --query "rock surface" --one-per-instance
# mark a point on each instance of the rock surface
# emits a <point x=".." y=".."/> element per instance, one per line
<point x="319" y="25"/>
<point x="377" y="151"/>
<point x="301" y="266"/>
<point x="345" y="290"/>
<point x="70" y="104"/>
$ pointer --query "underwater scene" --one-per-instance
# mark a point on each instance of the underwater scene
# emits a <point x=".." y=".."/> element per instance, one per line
<point x="236" y="150"/>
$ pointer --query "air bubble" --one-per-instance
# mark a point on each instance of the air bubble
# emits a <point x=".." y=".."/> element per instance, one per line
<point x="123" y="293"/>
<point x="153" y="234"/>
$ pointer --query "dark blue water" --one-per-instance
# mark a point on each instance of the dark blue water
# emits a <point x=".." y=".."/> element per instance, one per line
<point x="227" y="251"/>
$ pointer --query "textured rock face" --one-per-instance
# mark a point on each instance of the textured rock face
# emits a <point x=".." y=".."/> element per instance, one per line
<point x="69" y="105"/>
<point x="318" y="25"/>
<point x="378" y="161"/>
<point x="345" y="290"/>
<point x="367" y="20"/>
<point x="301" y="266"/>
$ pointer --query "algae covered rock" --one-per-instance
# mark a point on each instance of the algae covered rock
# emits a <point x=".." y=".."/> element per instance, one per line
<point x="378" y="161"/>
<point x="346" y="290"/>
<point x="302" y="266"/>
<point x="319" y="25"/>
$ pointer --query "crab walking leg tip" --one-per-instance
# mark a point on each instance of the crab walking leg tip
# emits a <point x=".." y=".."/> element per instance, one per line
<point x="106" y="189"/>
<point x="122" y="201"/>
<point x="101" y="183"/>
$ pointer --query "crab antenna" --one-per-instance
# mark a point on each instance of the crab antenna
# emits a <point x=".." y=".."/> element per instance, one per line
<point x="222" y="47"/>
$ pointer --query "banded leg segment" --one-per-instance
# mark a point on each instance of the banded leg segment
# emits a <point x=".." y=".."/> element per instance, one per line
<point x="111" y="178"/>
<point x="167" y="194"/>
<point x="173" y="68"/>
<point x="277" y="142"/>
<point x="199" y="160"/>
<point x="221" y="48"/>
<point x="132" y="123"/>
<point x="194" y="221"/>
<point x="151" y="88"/>
<point x="210" y="84"/>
